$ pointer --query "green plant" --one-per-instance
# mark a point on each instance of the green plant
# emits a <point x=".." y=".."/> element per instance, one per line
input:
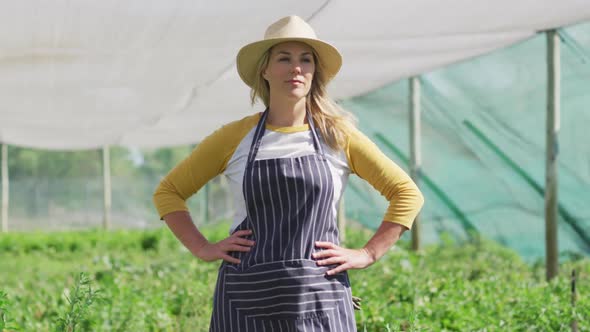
<point x="5" y="321"/>
<point x="453" y="286"/>
<point x="82" y="296"/>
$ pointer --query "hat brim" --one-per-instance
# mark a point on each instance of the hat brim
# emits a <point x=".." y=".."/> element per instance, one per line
<point x="249" y="55"/>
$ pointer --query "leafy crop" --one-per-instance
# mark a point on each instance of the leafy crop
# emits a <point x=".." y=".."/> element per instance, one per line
<point x="147" y="282"/>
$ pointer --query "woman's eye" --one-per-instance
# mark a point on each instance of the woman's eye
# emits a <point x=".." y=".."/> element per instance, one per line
<point x="284" y="59"/>
<point x="306" y="60"/>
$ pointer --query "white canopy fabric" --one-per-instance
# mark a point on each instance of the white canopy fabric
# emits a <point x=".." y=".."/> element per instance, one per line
<point x="150" y="73"/>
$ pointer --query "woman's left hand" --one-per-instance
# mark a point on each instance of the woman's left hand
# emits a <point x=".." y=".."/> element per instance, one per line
<point x="346" y="258"/>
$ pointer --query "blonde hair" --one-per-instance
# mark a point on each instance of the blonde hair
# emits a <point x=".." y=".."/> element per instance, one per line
<point x="329" y="118"/>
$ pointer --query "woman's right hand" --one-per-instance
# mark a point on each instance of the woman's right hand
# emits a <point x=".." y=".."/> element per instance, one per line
<point x="220" y="250"/>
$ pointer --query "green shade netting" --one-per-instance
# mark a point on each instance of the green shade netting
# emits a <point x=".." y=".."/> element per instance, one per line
<point x="483" y="146"/>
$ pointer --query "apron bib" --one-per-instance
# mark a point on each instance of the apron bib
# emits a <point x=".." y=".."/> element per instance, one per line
<point x="278" y="286"/>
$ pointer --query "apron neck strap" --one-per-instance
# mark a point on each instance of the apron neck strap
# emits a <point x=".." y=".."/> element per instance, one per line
<point x="261" y="127"/>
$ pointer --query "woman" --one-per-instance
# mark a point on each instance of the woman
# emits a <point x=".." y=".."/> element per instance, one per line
<point x="283" y="268"/>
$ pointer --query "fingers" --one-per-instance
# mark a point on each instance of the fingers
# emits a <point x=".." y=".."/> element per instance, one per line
<point x="339" y="268"/>
<point x="236" y="238"/>
<point x="332" y="260"/>
<point x="346" y="259"/>
<point x="238" y="248"/>
<point x="243" y="232"/>
<point x="326" y="245"/>
<point x="230" y="259"/>
<point x="241" y="241"/>
<point x="332" y="256"/>
<point x="324" y="253"/>
<point x="235" y="243"/>
<point x="227" y="247"/>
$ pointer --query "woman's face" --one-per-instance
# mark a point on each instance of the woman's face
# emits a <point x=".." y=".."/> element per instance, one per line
<point x="290" y="70"/>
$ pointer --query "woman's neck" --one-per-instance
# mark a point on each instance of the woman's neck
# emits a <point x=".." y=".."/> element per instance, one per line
<point x="286" y="113"/>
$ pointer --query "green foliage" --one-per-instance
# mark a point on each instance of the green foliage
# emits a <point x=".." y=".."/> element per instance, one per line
<point x="6" y="323"/>
<point x="149" y="282"/>
<point x="44" y="183"/>
<point x="149" y="242"/>
<point x="25" y="162"/>
<point x="80" y="298"/>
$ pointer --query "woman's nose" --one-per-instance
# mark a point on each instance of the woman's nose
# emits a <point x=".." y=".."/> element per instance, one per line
<point x="296" y="69"/>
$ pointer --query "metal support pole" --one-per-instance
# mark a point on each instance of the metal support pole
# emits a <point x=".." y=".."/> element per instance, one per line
<point x="106" y="170"/>
<point x="342" y="219"/>
<point x="206" y="211"/>
<point x="553" y="114"/>
<point x="415" y="152"/>
<point x="4" y="188"/>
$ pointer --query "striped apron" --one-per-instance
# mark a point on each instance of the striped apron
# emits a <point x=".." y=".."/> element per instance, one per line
<point x="277" y="286"/>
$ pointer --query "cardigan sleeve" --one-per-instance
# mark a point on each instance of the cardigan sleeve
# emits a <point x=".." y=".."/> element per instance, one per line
<point x="369" y="163"/>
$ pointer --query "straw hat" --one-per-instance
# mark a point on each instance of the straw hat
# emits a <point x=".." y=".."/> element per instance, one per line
<point x="290" y="28"/>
